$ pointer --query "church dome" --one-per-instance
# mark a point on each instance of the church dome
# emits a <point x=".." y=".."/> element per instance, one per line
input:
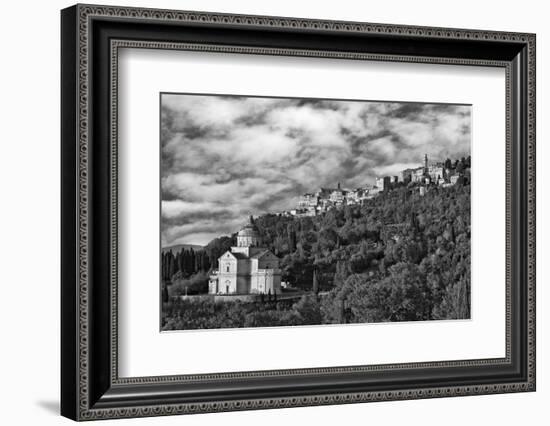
<point x="248" y="231"/>
<point x="248" y="235"/>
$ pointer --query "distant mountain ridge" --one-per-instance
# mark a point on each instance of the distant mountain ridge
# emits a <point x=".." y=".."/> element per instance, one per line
<point x="177" y="247"/>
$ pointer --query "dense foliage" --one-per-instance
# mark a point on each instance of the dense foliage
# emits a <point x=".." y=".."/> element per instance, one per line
<point x="400" y="256"/>
<point x="204" y="313"/>
<point x="186" y="272"/>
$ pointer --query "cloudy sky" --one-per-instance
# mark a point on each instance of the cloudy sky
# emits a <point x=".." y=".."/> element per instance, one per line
<point x="226" y="157"/>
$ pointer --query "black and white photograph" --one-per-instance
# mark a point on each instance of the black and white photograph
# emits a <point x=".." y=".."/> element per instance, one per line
<point x="293" y="211"/>
<point x="271" y="207"/>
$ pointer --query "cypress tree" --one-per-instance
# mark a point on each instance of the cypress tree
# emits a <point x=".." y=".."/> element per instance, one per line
<point x="414" y="222"/>
<point x="205" y="264"/>
<point x="172" y="264"/>
<point x="191" y="261"/>
<point x="178" y="262"/>
<point x="163" y="266"/>
<point x="342" y="312"/>
<point x="181" y="261"/>
<point x="198" y="261"/>
<point x="315" y="286"/>
<point x="213" y="260"/>
<point x="187" y="262"/>
<point x="167" y="266"/>
<point x="291" y="235"/>
<point x="165" y="297"/>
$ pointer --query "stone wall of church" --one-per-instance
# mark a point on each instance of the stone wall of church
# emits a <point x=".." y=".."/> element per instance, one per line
<point x="243" y="284"/>
<point x="274" y="283"/>
<point x="265" y="281"/>
<point x="247" y="241"/>
<point x="243" y="266"/>
<point x="243" y="250"/>
<point x="213" y="286"/>
<point x="246" y="275"/>
<point x="227" y="283"/>
<point x="227" y="264"/>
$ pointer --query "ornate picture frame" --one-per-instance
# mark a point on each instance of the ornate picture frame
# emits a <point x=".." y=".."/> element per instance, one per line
<point x="91" y="37"/>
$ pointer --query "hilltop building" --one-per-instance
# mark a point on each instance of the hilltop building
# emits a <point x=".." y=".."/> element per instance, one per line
<point x="311" y="204"/>
<point x="405" y="175"/>
<point x="418" y="175"/>
<point x="246" y="268"/>
<point x="383" y="183"/>
<point x="436" y="171"/>
<point x="308" y="201"/>
<point x="334" y="195"/>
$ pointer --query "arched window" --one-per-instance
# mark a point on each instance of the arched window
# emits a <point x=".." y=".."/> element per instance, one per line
<point x="227" y="268"/>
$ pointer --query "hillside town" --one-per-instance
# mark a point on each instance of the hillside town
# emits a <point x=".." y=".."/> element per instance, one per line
<point x="422" y="178"/>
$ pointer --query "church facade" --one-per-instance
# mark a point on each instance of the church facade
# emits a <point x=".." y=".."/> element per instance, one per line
<point x="247" y="268"/>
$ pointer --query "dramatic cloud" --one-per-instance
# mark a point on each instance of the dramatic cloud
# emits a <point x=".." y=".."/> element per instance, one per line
<point x="226" y="157"/>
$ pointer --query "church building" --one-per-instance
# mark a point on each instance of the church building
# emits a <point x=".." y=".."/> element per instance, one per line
<point x="247" y="268"/>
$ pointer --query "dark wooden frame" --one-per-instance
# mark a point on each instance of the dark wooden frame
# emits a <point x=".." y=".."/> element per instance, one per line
<point x="90" y="386"/>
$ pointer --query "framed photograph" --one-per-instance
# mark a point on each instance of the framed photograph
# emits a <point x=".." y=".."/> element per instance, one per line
<point x="263" y="212"/>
